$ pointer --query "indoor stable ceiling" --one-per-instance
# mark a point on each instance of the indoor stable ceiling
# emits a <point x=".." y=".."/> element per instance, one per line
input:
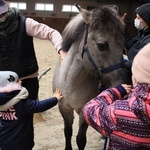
<point x="139" y="1"/>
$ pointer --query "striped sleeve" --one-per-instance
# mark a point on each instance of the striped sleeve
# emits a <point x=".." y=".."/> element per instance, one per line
<point x="99" y="112"/>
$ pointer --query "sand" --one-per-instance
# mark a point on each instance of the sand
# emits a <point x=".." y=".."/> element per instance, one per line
<point x="48" y="126"/>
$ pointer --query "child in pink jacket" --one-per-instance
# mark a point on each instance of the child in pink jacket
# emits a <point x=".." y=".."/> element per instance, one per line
<point x="126" y="122"/>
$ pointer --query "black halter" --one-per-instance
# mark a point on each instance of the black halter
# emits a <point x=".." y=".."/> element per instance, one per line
<point x="100" y="71"/>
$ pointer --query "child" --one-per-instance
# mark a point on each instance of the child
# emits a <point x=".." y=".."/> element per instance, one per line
<point x="16" y="112"/>
<point x="125" y="122"/>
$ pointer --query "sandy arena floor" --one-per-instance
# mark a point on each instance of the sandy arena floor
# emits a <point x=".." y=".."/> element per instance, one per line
<point x="48" y="126"/>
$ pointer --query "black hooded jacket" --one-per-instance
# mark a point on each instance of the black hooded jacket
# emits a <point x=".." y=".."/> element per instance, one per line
<point x="134" y="45"/>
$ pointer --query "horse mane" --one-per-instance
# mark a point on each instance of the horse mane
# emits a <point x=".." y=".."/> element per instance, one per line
<point x="107" y="19"/>
<point x="104" y="19"/>
<point x="72" y="31"/>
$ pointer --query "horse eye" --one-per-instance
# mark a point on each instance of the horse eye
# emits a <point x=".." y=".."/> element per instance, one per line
<point x="102" y="46"/>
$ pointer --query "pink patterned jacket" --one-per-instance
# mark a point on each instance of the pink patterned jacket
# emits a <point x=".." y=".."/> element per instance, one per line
<point x="125" y="122"/>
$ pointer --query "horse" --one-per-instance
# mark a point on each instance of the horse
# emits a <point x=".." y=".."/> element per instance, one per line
<point x="94" y="43"/>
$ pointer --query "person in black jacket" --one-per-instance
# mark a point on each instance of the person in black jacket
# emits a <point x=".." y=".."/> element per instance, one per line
<point x="16" y="112"/>
<point x="17" y="52"/>
<point x="142" y="23"/>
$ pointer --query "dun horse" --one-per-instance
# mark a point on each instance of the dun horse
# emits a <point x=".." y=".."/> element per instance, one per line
<point x="94" y="41"/>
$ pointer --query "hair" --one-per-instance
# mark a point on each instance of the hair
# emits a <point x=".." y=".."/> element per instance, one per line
<point x="105" y="19"/>
<point x="72" y="31"/>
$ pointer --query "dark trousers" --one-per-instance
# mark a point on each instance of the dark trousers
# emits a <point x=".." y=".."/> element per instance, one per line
<point x="32" y="85"/>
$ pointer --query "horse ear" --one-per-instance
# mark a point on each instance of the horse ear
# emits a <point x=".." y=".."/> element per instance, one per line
<point x="114" y="7"/>
<point x="87" y="16"/>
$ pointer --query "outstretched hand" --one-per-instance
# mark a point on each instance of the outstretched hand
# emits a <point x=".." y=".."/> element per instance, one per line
<point x="58" y="94"/>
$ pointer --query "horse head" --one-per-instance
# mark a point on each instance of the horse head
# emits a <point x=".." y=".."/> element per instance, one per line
<point x="102" y="47"/>
<point x="94" y="41"/>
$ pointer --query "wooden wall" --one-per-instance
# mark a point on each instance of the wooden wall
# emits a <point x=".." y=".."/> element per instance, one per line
<point x="56" y="23"/>
<point x="58" y="19"/>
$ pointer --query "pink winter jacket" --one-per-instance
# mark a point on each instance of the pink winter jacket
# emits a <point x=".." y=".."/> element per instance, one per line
<point x="125" y="122"/>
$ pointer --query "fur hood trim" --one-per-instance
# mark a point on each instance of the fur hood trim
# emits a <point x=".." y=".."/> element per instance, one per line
<point x="23" y="94"/>
<point x="10" y="87"/>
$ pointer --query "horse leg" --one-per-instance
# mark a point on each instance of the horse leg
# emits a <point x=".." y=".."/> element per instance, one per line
<point x="68" y="121"/>
<point x="81" y="137"/>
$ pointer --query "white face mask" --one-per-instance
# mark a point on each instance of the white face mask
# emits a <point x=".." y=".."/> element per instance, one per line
<point x="137" y="24"/>
<point x="4" y="17"/>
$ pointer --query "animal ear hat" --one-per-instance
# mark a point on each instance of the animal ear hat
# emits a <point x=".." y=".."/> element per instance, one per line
<point x="141" y="65"/>
<point x="7" y="77"/>
<point x="3" y="7"/>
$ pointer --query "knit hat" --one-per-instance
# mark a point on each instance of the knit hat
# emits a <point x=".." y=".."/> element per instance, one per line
<point x="141" y="65"/>
<point x="7" y="77"/>
<point x="3" y="7"/>
<point x="144" y="12"/>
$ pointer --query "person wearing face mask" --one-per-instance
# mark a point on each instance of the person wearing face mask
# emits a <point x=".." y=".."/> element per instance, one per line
<point x="17" y="48"/>
<point x="135" y="44"/>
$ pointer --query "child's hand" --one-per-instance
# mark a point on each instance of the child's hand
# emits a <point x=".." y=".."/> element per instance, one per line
<point x="128" y="89"/>
<point x="58" y="94"/>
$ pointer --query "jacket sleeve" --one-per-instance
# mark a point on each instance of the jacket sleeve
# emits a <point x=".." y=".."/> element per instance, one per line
<point x="35" y="106"/>
<point x="99" y="113"/>
<point x="129" y="41"/>
<point x="44" y="32"/>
